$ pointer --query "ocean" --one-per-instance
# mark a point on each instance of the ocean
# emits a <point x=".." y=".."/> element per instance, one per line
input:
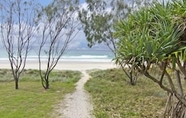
<point x="88" y="55"/>
<point x="83" y="55"/>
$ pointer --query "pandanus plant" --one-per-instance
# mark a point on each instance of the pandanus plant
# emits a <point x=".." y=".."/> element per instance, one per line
<point x="156" y="37"/>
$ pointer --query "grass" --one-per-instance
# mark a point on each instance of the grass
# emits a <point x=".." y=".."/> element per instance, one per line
<point x="31" y="100"/>
<point x="114" y="97"/>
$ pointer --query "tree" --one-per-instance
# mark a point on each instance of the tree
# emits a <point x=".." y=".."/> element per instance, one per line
<point x="98" y="20"/>
<point x="152" y="38"/>
<point x="58" y="26"/>
<point x="17" y="30"/>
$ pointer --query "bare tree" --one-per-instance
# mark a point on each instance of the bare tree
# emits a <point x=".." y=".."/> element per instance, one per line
<point x="17" y="29"/>
<point x="58" y="26"/>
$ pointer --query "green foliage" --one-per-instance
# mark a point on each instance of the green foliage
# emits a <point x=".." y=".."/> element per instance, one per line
<point x="149" y="35"/>
<point x="96" y="26"/>
<point x="113" y="97"/>
<point x="155" y="36"/>
<point x="58" y="8"/>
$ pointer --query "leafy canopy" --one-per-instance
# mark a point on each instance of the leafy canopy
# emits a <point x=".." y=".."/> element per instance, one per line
<point x="152" y="34"/>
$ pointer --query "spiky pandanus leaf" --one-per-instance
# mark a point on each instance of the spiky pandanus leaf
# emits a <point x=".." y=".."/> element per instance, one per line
<point x="157" y="35"/>
<point x="150" y="33"/>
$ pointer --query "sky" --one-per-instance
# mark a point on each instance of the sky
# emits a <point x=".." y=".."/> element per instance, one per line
<point x="79" y="42"/>
<point x="46" y="2"/>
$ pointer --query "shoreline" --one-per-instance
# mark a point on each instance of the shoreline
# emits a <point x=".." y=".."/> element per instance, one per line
<point x="64" y="65"/>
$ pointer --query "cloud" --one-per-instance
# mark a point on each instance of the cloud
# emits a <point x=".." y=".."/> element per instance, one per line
<point x="79" y="42"/>
<point x="83" y="5"/>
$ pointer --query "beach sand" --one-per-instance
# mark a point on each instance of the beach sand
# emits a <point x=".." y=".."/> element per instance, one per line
<point x="64" y="65"/>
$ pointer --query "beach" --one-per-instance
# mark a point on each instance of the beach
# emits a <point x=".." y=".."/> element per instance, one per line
<point x="70" y="60"/>
<point x="64" y="65"/>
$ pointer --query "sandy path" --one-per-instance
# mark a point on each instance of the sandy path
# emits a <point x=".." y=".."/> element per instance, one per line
<point x="77" y="105"/>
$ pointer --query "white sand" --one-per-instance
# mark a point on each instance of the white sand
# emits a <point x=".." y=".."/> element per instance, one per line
<point x="65" y="65"/>
<point x="77" y="104"/>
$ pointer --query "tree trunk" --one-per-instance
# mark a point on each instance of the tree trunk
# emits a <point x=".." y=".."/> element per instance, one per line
<point x="47" y="84"/>
<point x="133" y="78"/>
<point x="174" y="108"/>
<point x="16" y="83"/>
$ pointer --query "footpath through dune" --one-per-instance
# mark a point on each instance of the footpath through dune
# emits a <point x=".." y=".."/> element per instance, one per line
<point x="77" y="104"/>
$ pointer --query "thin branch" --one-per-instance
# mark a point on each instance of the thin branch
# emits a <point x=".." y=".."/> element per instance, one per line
<point x="182" y="68"/>
<point x="170" y="82"/>
<point x="180" y="88"/>
<point x="163" y="68"/>
<point x="156" y="81"/>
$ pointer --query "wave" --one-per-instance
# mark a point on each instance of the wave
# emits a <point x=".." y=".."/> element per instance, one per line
<point x="74" y="57"/>
<point x="85" y="57"/>
<point x="80" y="58"/>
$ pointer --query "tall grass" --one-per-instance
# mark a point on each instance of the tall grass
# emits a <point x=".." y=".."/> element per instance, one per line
<point x="114" y="97"/>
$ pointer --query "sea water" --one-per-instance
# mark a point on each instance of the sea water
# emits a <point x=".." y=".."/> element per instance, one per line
<point x="88" y="55"/>
<point x="83" y="55"/>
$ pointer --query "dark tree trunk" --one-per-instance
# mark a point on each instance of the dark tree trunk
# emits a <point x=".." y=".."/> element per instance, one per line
<point x="132" y="78"/>
<point x="47" y="84"/>
<point x="16" y="83"/>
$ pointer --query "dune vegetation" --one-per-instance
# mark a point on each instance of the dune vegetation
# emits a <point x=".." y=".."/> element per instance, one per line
<point x="114" y="97"/>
